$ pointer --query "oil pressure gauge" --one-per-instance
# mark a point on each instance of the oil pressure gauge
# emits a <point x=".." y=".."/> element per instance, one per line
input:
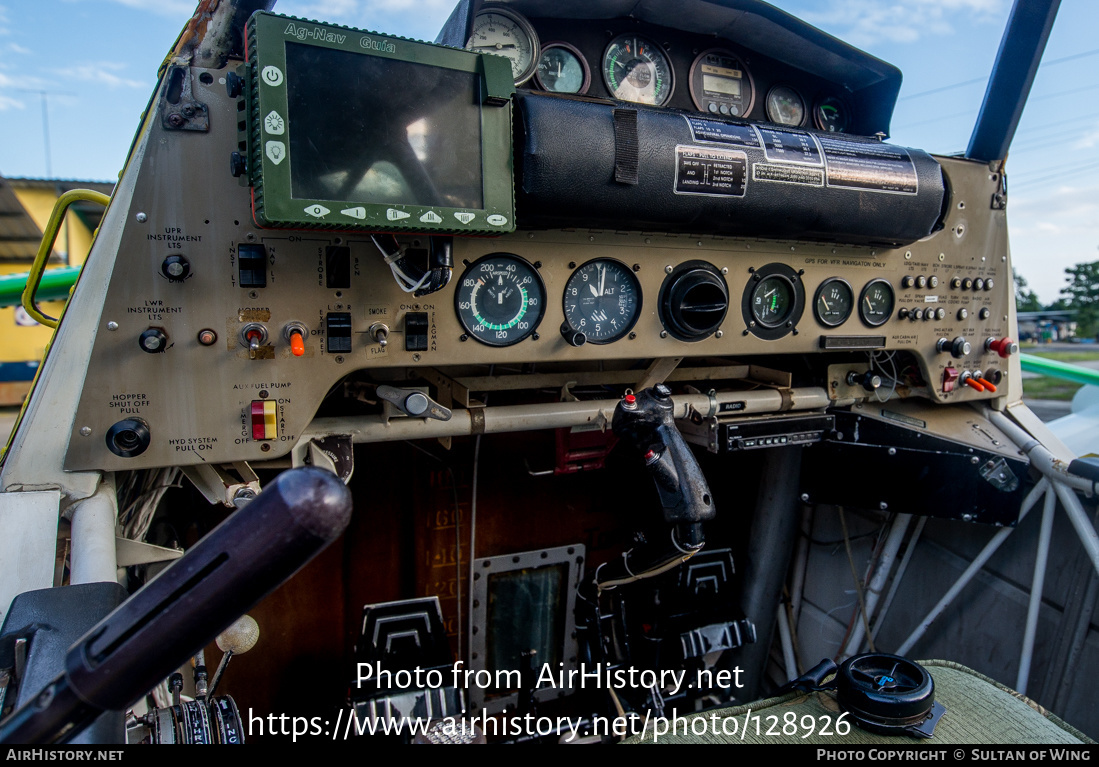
<point x="876" y="302"/>
<point x="500" y="300"/>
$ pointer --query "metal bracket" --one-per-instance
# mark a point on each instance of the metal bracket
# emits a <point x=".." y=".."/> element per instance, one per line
<point x="228" y="484"/>
<point x="413" y="403"/>
<point x="178" y="108"/>
<point x="333" y="453"/>
<point x="130" y="552"/>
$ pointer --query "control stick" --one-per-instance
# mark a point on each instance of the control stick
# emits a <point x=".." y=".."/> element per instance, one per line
<point x="156" y="630"/>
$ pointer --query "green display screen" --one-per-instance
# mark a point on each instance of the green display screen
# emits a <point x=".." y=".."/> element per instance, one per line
<point x="356" y="130"/>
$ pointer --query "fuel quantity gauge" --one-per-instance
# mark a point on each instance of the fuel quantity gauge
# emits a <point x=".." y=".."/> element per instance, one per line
<point x="834" y="302"/>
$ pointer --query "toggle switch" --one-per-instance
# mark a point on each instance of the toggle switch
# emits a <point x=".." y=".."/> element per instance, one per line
<point x="295" y="333"/>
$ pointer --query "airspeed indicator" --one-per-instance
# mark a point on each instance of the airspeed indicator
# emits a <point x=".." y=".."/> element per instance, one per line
<point x="500" y="300"/>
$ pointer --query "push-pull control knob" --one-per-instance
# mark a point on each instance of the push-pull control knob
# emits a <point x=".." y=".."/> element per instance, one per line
<point x="1005" y="347"/>
<point x="957" y="348"/>
<point x="296" y="333"/>
<point x="379" y="331"/>
<point x="413" y="402"/>
<point x="870" y="381"/>
<point x="572" y="335"/>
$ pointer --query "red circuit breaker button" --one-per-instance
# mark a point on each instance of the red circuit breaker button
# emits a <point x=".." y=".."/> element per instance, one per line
<point x="265" y="423"/>
<point x="1005" y="347"/>
<point x="950" y="377"/>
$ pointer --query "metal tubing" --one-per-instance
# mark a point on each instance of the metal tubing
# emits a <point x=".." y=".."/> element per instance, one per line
<point x="801" y="563"/>
<point x="787" y="643"/>
<point x="1085" y="531"/>
<point x="553" y="415"/>
<point x="1017" y="61"/>
<point x="770" y="546"/>
<point x="94" y="559"/>
<point x="1036" y="585"/>
<point x="974" y="566"/>
<point x="1041" y="458"/>
<point x="877" y="583"/>
<point x="902" y="568"/>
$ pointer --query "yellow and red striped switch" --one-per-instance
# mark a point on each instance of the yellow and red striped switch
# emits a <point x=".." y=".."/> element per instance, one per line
<point x="265" y="420"/>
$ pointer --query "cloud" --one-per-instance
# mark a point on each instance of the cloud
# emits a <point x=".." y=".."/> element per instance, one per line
<point x="6" y="101"/>
<point x="175" y="8"/>
<point x="865" y="22"/>
<point x="101" y="72"/>
<point x="17" y="48"/>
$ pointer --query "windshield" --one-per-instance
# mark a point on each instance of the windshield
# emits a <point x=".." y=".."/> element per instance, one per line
<point x="87" y="99"/>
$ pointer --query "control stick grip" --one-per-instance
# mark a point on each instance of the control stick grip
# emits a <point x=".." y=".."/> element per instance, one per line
<point x="646" y="420"/>
<point x="156" y="630"/>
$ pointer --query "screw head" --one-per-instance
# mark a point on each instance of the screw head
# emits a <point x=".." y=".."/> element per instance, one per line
<point x="892" y="451"/>
<point x="719" y="334"/>
<point x="141" y="218"/>
<point x="415" y="357"/>
<point x="883" y="505"/>
<point x="668" y="269"/>
<point x="805" y="497"/>
<point x="85" y="431"/>
<point x="112" y="325"/>
<point x="663" y="333"/>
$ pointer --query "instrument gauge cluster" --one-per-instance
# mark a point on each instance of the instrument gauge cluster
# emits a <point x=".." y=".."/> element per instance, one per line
<point x="641" y="63"/>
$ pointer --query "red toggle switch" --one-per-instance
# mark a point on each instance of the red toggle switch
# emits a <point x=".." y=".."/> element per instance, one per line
<point x="950" y="377"/>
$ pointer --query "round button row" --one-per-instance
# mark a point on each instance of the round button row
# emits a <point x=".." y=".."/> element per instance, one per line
<point x="938" y="314"/>
<point x="959" y="283"/>
<point x="919" y="281"/>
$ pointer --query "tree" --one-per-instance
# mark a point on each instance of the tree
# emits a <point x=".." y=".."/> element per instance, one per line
<point x="1082" y="295"/>
<point x="1026" y="300"/>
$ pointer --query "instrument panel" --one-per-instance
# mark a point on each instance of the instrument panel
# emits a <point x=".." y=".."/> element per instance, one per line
<point x="646" y="64"/>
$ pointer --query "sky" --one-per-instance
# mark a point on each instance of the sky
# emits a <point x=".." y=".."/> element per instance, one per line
<point x="92" y="64"/>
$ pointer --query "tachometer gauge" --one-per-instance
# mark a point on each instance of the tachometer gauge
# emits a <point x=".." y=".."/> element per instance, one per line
<point x="830" y="114"/>
<point x="636" y="69"/>
<point x="562" y="69"/>
<point x="721" y="84"/>
<point x="785" y="106"/>
<point x="500" y="300"/>
<point x="834" y="302"/>
<point x="876" y="302"/>
<point x="507" y="34"/>
<point x="602" y="300"/>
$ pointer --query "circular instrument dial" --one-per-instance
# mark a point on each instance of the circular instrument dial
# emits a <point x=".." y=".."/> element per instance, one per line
<point x="507" y="34"/>
<point x="876" y="302"/>
<point x="772" y="301"/>
<point x="500" y="300"/>
<point x="636" y="69"/>
<point x="562" y="69"/>
<point x="721" y="84"/>
<point x="602" y="300"/>
<point x="785" y="106"/>
<point x="834" y="302"/>
<point x="831" y="114"/>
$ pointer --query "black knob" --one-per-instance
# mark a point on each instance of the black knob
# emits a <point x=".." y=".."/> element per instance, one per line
<point x="237" y="165"/>
<point x="572" y="335"/>
<point x="153" y="341"/>
<point x="128" y="438"/>
<point x="234" y="84"/>
<point x="693" y="301"/>
<point x="870" y="381"/>
<point x="957" y="348"/>
<point x="176" y="268"/>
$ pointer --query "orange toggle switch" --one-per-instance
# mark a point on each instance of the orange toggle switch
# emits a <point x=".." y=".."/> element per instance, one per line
<point x="297" y="344"/>
<point x="987" y="384"/>
<point x="972" y="383"/>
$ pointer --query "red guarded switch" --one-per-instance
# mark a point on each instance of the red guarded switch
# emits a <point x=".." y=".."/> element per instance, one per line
<point x="950" y="377"/>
